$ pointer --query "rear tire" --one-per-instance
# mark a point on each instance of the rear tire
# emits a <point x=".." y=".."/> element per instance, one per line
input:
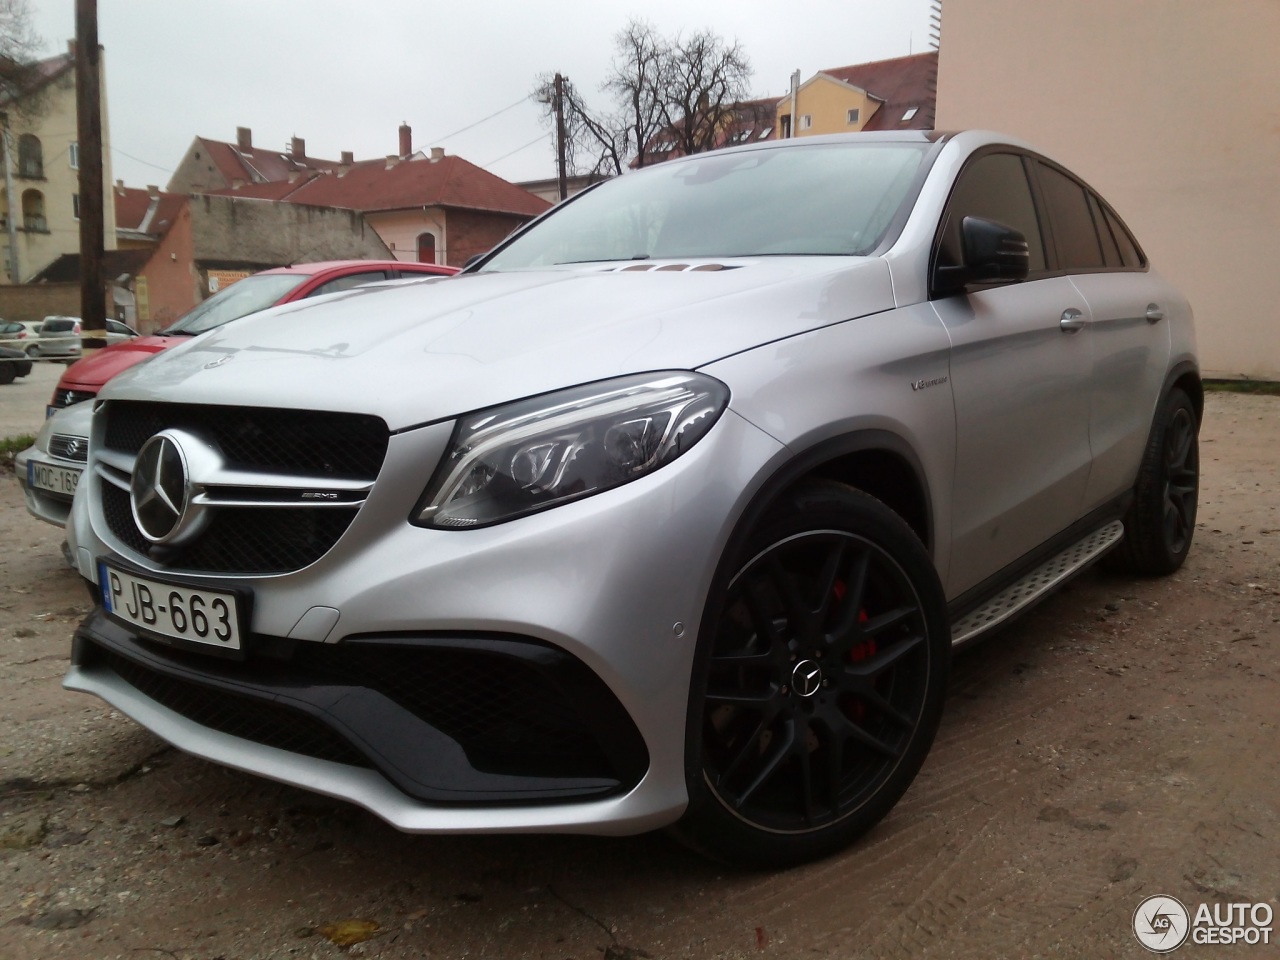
<point x="819" y="683"/>
<point x="1161" y="522"/>
<point x="7" y="371"/>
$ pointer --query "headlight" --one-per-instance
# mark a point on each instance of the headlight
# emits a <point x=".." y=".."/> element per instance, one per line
<point x="516" y="459"/>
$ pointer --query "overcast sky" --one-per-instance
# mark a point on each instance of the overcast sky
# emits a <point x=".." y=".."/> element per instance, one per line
<point x="343" y="75"/>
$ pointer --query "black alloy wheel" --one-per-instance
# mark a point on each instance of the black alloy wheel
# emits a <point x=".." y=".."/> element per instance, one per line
<point x="1161" y="523"/>
<point x="823" y="684"/>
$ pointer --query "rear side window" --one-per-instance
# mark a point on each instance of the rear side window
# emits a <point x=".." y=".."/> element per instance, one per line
<point x="993" y="187"/>
<point x="1073" y="228"/>
<point x="1130" y="255"/>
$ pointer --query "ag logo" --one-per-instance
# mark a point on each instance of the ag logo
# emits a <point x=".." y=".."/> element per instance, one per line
<point x="1161" y="924"/>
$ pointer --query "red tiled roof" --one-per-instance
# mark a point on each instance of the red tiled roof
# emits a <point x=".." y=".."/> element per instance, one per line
<point x="135" y="210"/>
<point x="257" y="164"/>
<point x="902" y="83"/>
<point x="37" y="75"/>
<point x="371" y="186"/>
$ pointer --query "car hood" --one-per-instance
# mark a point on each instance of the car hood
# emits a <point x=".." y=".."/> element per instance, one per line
<point x="99" y="366"/>
<point x="429" y="352"/>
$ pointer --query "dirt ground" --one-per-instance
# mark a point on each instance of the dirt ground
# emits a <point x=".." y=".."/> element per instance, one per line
<point x="1119" y="742"/>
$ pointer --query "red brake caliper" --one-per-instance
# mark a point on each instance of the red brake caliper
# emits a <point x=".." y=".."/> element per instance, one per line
<point x="861" y="652"/>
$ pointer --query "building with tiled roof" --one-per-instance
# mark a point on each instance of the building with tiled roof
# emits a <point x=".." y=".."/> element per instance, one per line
<point x="751" y="121"/>
<point x="896" y="94"/>
<point x="433" y="208"/>
<point x="143" y="216"/>
<point x="212" y="165"/>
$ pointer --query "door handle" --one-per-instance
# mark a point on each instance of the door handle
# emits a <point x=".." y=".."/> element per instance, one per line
<point x="1072" y="321"/>
<point x="1154" y="313"/>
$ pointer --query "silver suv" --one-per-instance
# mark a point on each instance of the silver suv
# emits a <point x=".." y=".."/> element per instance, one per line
<point x="669" y="512"/>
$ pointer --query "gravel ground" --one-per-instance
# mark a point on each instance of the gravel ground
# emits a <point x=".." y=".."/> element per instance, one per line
<point x="1118" y="742"/>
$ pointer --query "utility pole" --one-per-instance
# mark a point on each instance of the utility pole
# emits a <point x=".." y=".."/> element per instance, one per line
<point x="559" y="105"/>
<point x="11" y="221"/>
<point x="93" y="310"/>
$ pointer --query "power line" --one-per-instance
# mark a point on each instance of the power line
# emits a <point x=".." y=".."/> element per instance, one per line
<point x="510" y="106"/>
<point x="145" y="163"/>
<point x="538" y="139"/>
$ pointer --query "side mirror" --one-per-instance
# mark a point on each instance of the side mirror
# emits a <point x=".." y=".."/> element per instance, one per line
<point x="993" y="253"/>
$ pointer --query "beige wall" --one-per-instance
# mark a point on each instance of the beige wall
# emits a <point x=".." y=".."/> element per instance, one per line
<point x="55" y="126"/>
<point x="399" y="230"/>
<point x="1171" y="109"/>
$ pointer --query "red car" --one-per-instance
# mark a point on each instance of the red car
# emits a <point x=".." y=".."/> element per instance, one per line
<point x="85" y="378"/>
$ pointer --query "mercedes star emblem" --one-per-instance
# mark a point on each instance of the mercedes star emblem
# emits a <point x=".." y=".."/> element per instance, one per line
<point x="159" y="489"/>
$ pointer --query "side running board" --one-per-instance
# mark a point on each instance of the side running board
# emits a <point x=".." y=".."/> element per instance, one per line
<point x="1037" y="583"/>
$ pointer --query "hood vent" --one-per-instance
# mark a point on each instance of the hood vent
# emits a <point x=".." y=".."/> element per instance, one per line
<point x="675" y="268"/>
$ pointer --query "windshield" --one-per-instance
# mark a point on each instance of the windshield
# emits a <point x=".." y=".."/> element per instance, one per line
<point x="239" y="300"/>
<point x="820" y="199"/>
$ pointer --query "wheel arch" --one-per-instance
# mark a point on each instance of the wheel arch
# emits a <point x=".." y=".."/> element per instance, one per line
<point x="1185" y="376"/>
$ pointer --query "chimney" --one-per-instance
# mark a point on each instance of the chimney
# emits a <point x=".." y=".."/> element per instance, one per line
<point x="406" y="140"/>
<point x="437" y="153"/>
<point x="392" y="160"/>
<point x="294" y="175"/>
<point x="153" y="191"/>
<point x="348" y="158"/>
<point x="298" y="148"/>
<point x="120" y="187"/>
<point x="237" y="183"/>
<point x="244" y="138"/>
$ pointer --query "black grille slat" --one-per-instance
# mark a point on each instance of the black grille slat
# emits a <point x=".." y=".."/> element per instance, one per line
<point x="254" y="720"/>
<point x="305" y="442"/>
<point x="240" y="539"/>
<point x="260" y="539"/>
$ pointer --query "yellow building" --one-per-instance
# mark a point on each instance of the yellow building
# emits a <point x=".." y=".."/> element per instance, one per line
<point x="44" y="171"/>
<point x="895" y="94"/>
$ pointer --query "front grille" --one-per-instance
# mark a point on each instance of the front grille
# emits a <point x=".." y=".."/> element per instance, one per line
<point x="254" y="720"/>
<point x="263" y="538"/>
<point x="509" y="716"/>
<point x="65" y="398"/>
<point x="69" y="448"/>
<point x="337" y="445"/>
<point x="254" y="540"/>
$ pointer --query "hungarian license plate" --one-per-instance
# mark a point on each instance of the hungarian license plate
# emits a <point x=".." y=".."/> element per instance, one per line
<point x="183" y="613"/>
<point x="46" y="476"/>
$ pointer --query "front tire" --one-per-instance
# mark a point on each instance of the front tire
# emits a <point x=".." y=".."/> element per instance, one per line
<point x="1161" y="522"/>
<point x="820" y="683"/>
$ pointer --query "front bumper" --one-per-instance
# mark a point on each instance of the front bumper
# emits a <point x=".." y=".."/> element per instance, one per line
<point x="44" y="505"/>
<point x="614" y="584"/>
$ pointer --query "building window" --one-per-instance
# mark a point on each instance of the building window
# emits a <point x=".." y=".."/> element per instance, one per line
<point x="30" y="157"/>
<point x="73" y="155"/>
<point x="854" y="114"/>
<point x="426" y="248"/>
<point x="806" y="121"/>
<point x="33" y="212"/>
<point x="911" y="112"/>
<point x="75" y="205"/>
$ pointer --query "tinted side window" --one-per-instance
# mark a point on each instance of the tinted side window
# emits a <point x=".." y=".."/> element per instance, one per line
<point x="993" y="187"/>
<point x="1073" y="230"/>
<point x="1110" y="251"/>
<point x="347" y="282"/>
<point x="1129" y="252"/>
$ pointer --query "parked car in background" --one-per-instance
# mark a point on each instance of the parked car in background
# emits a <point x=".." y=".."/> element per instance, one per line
<point x="50" y="469"/>
<point x="13" y="364"/>
<point x="17" y="335"/>
<point x="669" y="513"/>
<point x="266" y="289"/>
<point x="58" y="339"/>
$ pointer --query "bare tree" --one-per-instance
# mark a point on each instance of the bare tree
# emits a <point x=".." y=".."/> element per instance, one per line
<point x="706" y="80"/>
<point x="594" y="144"/>
<point x="19" y="46"/>
<point x="685" y="90"/>
<point x="642" y="70"/>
